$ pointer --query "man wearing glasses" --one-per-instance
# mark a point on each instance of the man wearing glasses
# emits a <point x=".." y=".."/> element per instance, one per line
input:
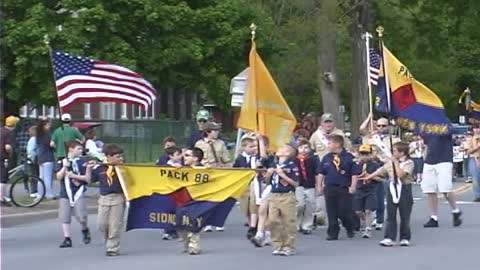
<point x="202" y="119"/>
<point x="319" y="139"/>
<point x="380" y="140"/>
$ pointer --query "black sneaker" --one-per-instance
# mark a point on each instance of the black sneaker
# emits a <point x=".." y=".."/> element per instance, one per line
<point x="86" y="236"/>
<point x="476" y="200"/>
<point x="431" y="223"/>
<point x="350" y="234"/>
<point x="251" y="233"/>
<point x="5" y="203"/>
<point x="457" y="221"/>
<point x="332" y="238"/>
<point x="67" y="243"/>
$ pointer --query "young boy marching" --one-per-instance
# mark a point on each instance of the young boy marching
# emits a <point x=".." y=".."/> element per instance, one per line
<point x="282" y="202"/>
<point x="365" y="197"/>
<point x="305" y="193"/>
<point x="111" y="204"/>
<point x="337" y="182"/>
<point x="73" y="174"/>
<point x="248" y="159"/>
<point x="175" y="158"/>
<point x="191" y="241"/>
<point x="403" y="202"/>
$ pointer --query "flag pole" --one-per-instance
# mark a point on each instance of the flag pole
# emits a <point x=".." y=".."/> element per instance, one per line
<point x="368" y="36"/>
<point x="380" y="31"/>
<point x="253" y="28"/>
<point x="46" y="40"/>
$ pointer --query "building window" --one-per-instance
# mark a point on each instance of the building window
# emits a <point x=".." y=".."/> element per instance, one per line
<point x="33" y="112"/>
<point x="138" y="112"/>
<point x="51" y="112"/>
<point x="107" y="110"/>
<point x="152" y="111"/>
<point x="87" y="111"/>
<point x="23" y="111"/>
<point x="44" y="111"/>
<point x="124" y="111"/>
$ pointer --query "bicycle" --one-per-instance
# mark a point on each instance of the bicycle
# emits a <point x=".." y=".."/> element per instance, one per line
<point x="26" y="189"/>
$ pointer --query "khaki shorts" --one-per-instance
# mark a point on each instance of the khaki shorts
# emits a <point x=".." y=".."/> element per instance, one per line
<point x="65" y="210"/>
<point x="437" y="178"/>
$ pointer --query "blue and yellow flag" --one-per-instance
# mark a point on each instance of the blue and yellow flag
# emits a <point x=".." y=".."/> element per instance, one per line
<point x="264" y="100"/>
<point x="185" y="199"/>
<point x="473" y="115"/>
<point x="414" y="105"/>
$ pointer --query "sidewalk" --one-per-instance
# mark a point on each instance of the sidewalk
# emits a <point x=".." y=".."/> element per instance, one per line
<point x="47" y="209"/>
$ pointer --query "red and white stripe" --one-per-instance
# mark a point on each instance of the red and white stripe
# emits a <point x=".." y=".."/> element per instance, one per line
<point x="106" y="82"/>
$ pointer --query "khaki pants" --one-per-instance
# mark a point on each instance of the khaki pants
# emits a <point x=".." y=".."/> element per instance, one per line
<point x="282" y="219"/>
<point x="245" y="203"/>
<point x="306" y="204"/>
<point x="191" y="242"/>
<point x="111" y="209"/>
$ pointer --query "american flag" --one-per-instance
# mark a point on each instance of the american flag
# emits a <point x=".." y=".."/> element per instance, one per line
<point x="80" y="79"/>
<point x="374" y="69"/>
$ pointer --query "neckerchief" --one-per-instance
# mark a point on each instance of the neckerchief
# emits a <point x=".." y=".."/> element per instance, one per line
<point x="72" y="198"/>
<point x="303" y="167"/>
<point x="336" y="161"/>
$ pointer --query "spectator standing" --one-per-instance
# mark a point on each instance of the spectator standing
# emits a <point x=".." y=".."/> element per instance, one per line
<point x="474" y="161"/>
<point x="202" y="119"/>
<point x="417" y="150"/>
<point x="7" y="155"/>
<point x="91" y="147"/>
<point x="63" y="134"/>
<point x="45" y="156"/>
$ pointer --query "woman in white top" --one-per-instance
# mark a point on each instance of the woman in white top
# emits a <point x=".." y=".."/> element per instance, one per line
<point x="417" y="150"/>
<point x="91" y="146"/>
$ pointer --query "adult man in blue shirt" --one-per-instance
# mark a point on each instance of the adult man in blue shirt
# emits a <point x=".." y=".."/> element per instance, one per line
<point x="437" y="177"/>
<point x="202" y="119"/>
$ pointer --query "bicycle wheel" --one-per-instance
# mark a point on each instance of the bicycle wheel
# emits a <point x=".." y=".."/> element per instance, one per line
<point x="27" y="191"/>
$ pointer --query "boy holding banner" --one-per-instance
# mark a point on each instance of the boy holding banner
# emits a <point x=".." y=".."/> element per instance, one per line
<point x="73" y="174"/>
<point x="111" y="204"/>
<point x="191" y="241"/>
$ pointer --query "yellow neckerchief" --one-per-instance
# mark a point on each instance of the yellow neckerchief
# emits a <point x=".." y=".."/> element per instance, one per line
<point x="337" y="161"/>
<point x="110" y="173"/>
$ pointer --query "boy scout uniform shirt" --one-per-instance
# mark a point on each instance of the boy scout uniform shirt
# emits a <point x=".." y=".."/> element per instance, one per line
<point x="291" y="170"/>
<point x="319" y="148"/>
<point x="385" y="138"/>
<point x="406" y="165"/>
<point x="77" y="166"/>
<point x="109" y="182"/>
<point x="369" y="167"/>
<point x="338" y="168"/>
<point x="221" y="152"/>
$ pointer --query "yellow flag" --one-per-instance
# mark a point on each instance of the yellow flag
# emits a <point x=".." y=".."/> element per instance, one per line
<point x="264" y="109"/>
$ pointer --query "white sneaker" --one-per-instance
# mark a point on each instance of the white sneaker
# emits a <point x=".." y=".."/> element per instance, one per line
<point x="379" y="226"/>
<point x="7" y="199"/>
<point x="34" y="195"/>
<point x="387" y="243"/>
<point x="208" y="229"/>
<point x="374" y="223"/>
<point x="404" y="243"/>
<point x="367" y="233"/>
<point x="220" y="229"/>
<point x="267" y="241"/>
<point x="277" y="252"/>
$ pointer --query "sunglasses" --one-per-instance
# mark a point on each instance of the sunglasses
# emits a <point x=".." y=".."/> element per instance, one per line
<point x="381" y="125"/>
<point x="201" y="121"/>
<point x="364" y="153"/>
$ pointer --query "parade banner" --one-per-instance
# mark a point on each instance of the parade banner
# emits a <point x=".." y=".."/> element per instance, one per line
<point x="414" y="105"/>
<point x="264" y="109"/>
<point x="184" y="198"/>
<point x="473" y="115"/>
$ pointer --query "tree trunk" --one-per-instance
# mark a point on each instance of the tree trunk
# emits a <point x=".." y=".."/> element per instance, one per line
<point x="359" y="95"/>
<point x="326" y="56"/>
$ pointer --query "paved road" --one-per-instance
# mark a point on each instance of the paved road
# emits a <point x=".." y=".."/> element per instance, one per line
<point x="34" y="246"/>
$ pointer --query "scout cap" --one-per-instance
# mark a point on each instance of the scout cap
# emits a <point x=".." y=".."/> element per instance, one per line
<point x="11" y="121"/>
<point x="327" y="117"/>
<point x="365" y="148"/>
<point x="203" y="114"/>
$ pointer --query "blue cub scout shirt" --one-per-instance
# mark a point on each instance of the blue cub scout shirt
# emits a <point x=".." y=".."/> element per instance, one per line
<point x="100" y="174"/>
<point x="338" y="169"/>
<point x="77" y="166"/>
<point x="370" y="167"/>
<point x="291" y="171"/>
